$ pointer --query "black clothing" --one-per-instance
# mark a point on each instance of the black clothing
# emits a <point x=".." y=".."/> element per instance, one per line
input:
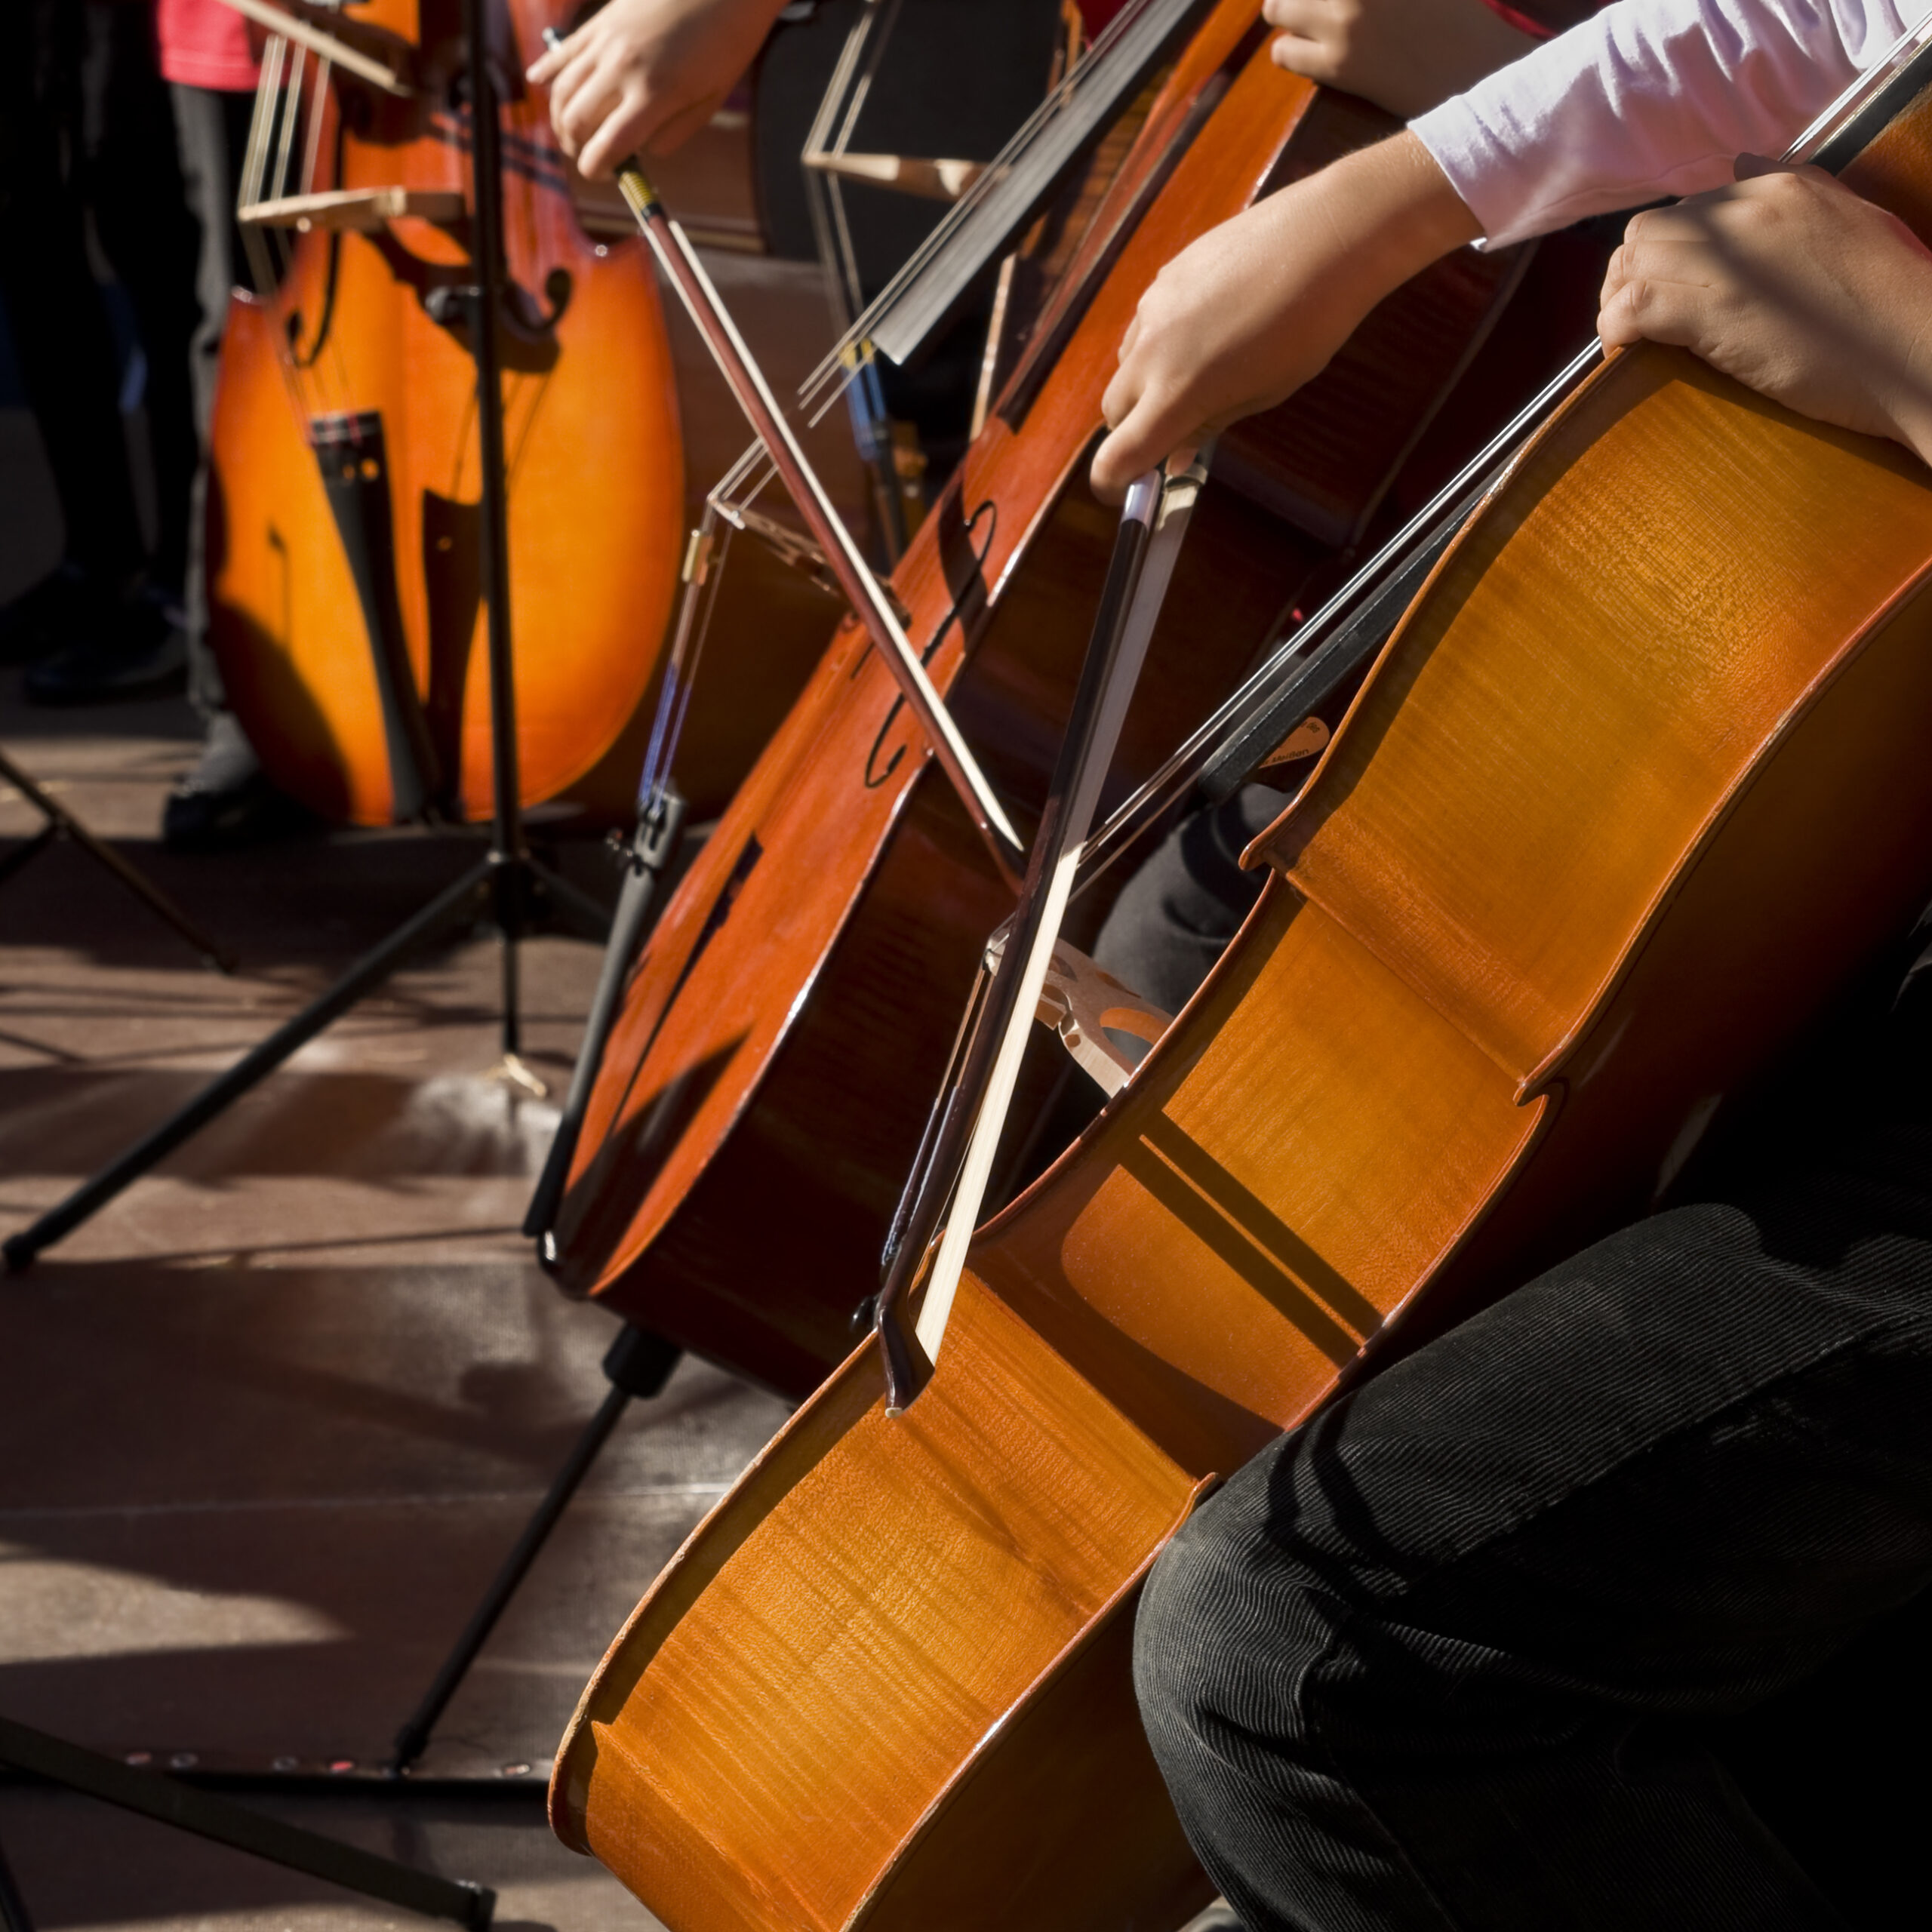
<point x="1175" y="916"/>
<point x="212" y="130"/>
<point x="1397" y="1672"/>
<point x="1448" y="1656"/>
<point x="85" y="128"/>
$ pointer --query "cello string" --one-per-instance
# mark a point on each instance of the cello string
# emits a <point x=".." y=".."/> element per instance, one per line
<point x="1018" y="165"/>
<point x="286" y="147"/>
<point x="312" y="146"/>
<point x="325" y="360"/>
<point x="1007" y="161"/>
<point x="823" y="201"/>
<point x="270" y="255"/>
<point x="1448" y="509"/>
<point x="263" y="260"/>
<point x="821" y="389"/>
<point x="1889" y="68"/>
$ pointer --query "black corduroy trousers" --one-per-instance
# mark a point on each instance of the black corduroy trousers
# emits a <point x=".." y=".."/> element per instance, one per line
<point x="1448" y="1656"/>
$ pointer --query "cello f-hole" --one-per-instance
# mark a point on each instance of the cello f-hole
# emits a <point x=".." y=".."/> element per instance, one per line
<point x="971" y="587"/>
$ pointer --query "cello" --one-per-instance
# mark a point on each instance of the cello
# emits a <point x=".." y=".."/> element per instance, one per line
<point x="795" y="1000"/>
<point x="1482" y="1002"/>
<point x="344" y="528"/>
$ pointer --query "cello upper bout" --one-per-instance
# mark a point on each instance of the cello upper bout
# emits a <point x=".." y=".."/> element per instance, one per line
<point x="1509" y="801"/>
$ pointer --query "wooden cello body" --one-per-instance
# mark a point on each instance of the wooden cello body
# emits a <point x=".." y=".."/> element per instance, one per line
<point x="790" y="1015"/>
<point x="1634" y="788"/>
<point x="319" y="595"/>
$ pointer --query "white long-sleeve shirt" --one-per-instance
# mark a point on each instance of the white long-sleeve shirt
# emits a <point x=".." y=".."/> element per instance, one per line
<point x="1650" y="98"/>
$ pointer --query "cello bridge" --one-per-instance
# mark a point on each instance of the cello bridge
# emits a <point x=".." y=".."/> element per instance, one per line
<point x="1088" y="1006"/>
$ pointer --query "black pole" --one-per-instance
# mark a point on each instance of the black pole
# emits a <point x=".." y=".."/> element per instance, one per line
<point x="28" y="849"/>
<point x="60" y="822"/>
<point x="653" y="845"/>
<point x="154" y="1795"/>
<point x="486" y="250"/>
<point x="13" y="1914"/>
<point x="447" y="909"/>
<point x="638" y="1364"/>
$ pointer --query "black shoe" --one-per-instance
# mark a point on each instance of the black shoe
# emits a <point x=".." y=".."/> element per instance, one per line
<point x="65" y="606"/>
<point x="227" y="802"/>
<point x="135" y="649"/>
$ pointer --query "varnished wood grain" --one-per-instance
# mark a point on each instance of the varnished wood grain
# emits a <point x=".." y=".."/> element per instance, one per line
<point x="1018" y="1486"/>
<point x="791" y="1067"/>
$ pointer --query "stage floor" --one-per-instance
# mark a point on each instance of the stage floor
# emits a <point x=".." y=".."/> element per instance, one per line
<point x="269" y="1422"/>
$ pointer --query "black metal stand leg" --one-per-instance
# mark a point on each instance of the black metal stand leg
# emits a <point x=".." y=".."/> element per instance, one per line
<point x="571" y="905"/>
<point x="14" y="1916"/>
<point x="511" y="913"/>
<point x="639" y="1365"/>
<point x="206" y="1815"/>
<point x="24" y="854"/>
<point x="62" y="823"/>
<point x="458" y="903"/>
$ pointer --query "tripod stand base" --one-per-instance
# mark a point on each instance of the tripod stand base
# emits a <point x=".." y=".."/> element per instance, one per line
<point x="639" y="1365"/>
<point x="206" y="1815"/>
<point x="61" y="823"/>
<point x="496" y="884"/>
<point x="13" y="1914"/>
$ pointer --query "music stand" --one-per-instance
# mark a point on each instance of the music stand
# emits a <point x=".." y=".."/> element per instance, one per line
<point x="508" y="885"/>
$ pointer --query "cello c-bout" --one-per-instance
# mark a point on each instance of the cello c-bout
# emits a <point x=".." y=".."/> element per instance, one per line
<point x="1634" y="788"/>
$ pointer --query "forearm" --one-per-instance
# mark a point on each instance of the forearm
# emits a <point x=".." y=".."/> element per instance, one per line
<point x="1245" y="315"/>
<point x="1651" y="99"/>
<point x="1393" y="211"/>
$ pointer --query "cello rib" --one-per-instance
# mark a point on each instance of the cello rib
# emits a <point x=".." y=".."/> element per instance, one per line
<point x="897" y="1704"/>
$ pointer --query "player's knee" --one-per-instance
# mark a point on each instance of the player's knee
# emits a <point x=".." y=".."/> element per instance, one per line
<point x="1226" y="1628"/>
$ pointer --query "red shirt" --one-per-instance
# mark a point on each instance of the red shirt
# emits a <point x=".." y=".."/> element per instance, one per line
<point x="205" y="45"/>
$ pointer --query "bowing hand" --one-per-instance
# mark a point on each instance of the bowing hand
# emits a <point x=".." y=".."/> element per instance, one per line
<point x="1404" y="55"/>
<point x="1244" y="316"/>
<point x="647" y="74"/>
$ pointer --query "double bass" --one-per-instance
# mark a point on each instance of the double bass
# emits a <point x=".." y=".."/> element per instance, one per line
<point x="343" y="518"/>
<point x="1633" y="790"/>
<point x="792" y="1009"/>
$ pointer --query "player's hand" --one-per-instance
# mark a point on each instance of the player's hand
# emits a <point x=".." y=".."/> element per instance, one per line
<point x="1404" y="55"/>
<point x="1244" y="316"/>
<point x="1795" y="285"/>
<point x="647" y="74"/>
